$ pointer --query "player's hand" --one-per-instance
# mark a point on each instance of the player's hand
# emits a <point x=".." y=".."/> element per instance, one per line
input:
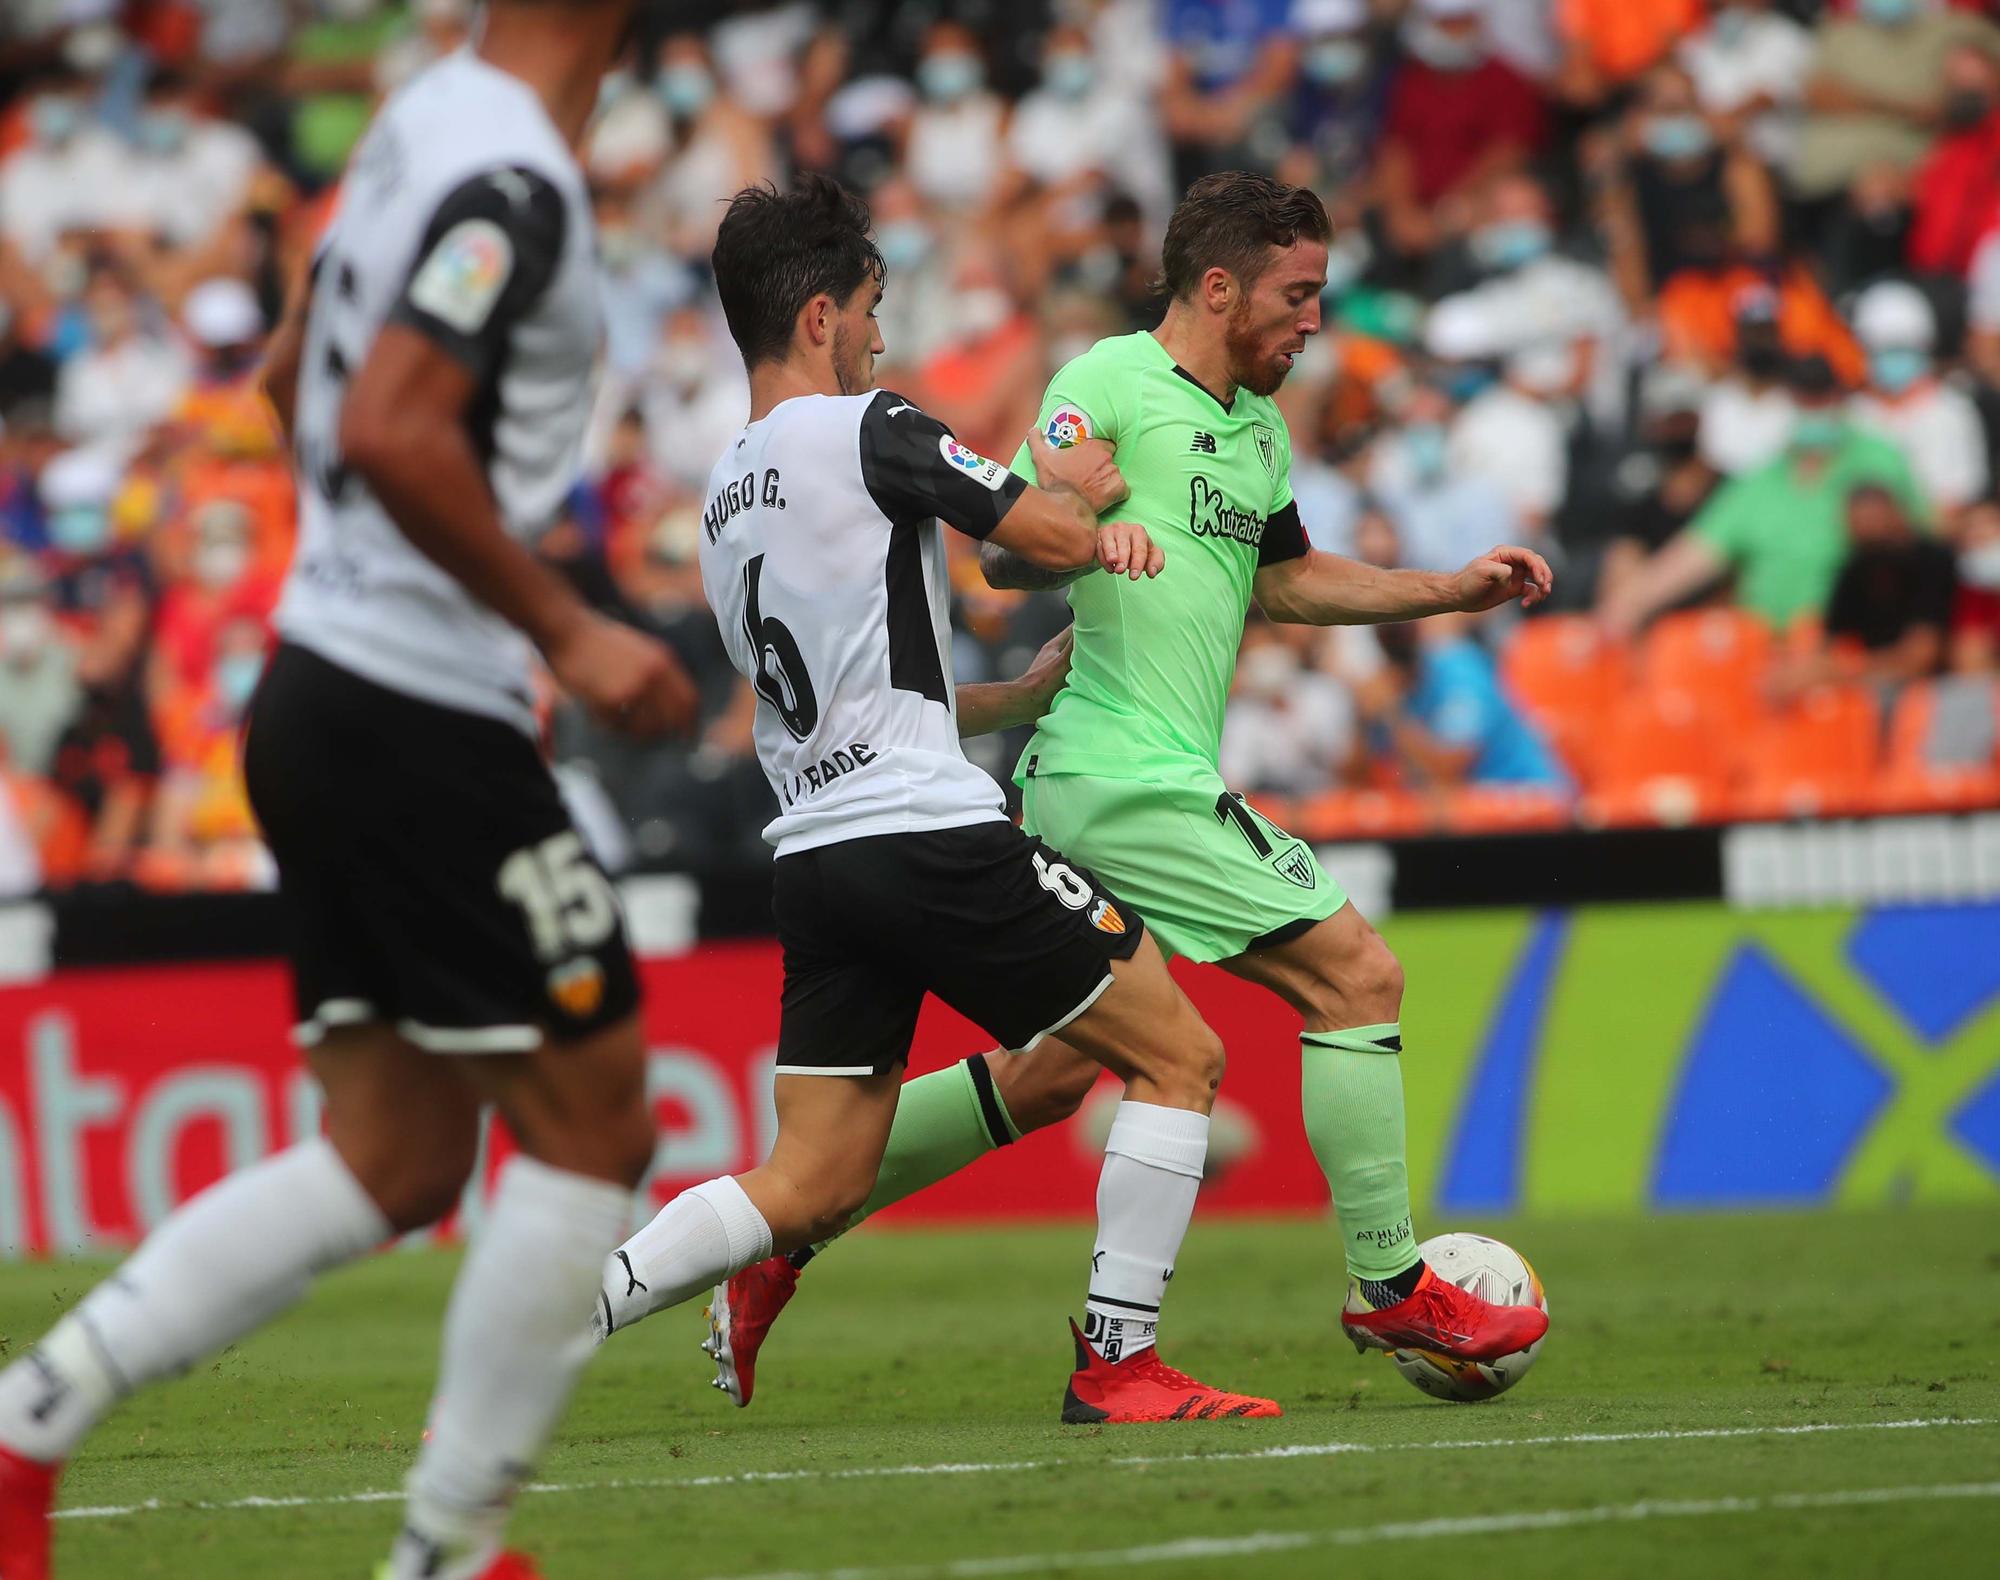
<point x="1500" y="576"/>
<point x="625" y="679"/>
<point x="1086" y="468"/>
<point x="1042" y="679"/>
<point x="1125" y="548"/>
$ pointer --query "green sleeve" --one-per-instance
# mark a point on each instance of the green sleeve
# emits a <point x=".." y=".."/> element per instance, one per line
<point x="1081" y="403"/>
<point x="1727" y="521"/>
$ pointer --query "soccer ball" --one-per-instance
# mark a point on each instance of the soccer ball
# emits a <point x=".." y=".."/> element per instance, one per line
<point x="1494" y="1272"/>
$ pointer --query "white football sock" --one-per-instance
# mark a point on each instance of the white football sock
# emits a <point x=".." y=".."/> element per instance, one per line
<point x="702" y="1237"/>
<point x="513" y="1350"/>
<point x="1145" y="1197"/>
<point x="226" y="1262"/>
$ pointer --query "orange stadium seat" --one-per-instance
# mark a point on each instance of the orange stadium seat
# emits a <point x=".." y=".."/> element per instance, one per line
<point x="1912" y="782"/>
<point x="1563" y="670"/>
<point x="1505" y="809"/>
<point x="1361" y="814"/>
<point x="1717" y="656"/>
<point x="1661" y="760"/>
<point x="1812" y="759"/>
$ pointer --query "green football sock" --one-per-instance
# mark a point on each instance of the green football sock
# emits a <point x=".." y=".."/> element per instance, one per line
<point x="944" y="1121"/>
<point x="1351" y="1088"/>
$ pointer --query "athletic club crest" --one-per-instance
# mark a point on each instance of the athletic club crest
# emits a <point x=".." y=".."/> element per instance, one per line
<point x="1296" y="865"/>
<point x="1267" y="446"/>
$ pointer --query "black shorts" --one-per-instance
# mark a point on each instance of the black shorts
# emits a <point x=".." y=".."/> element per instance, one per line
<point x="430" y="875"/>
<point x="998" y="925"/>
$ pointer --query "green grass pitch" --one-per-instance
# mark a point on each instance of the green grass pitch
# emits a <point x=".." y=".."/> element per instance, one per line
<point x="1763" y="1396"/>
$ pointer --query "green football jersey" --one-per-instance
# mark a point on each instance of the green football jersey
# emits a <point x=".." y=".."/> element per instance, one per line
<point x="1150" y="675"/>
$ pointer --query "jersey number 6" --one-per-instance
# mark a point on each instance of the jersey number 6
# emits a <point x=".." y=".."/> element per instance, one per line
<point x="780" y="677"/>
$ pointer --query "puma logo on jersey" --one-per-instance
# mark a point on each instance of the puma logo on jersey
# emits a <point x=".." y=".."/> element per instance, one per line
<point x="1210" y="515"/>
<point x="905" y="406"/>
<point x="512" y="186"/>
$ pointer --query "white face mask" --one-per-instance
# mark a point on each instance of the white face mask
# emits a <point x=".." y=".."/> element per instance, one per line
<point x="24" y="631"/>
<point x="220" y="562"/>
<point x="684" y="363"/>
<point x="1979" y="566"/>
<point x="983" y="310"/>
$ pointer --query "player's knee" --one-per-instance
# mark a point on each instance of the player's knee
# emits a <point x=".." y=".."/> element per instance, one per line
<point x="422" y="1184"/>
<point x="1364" y="989"/>
<point x="1053" y="1096"/>
<point x="1208" y="1058"/>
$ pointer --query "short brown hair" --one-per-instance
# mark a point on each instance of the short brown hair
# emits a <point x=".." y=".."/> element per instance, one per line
<point x="1231" y="221"/>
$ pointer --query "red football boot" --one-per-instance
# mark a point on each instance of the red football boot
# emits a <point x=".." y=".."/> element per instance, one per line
<point x="1146" y="1388"/>
<point x="1440" y="1317"/>
<point x="511" y="1566"/>
<point x="27" y="1490"/>
<point x="739" y="1317"/>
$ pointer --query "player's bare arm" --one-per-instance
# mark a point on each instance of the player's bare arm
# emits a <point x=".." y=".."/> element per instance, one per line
<point x="1318" y="588"/>
<point x="279" y="376"/>
<point x="990" y="705"/>
<point x="403" y="431"/>
<point x="1086" y="473"/>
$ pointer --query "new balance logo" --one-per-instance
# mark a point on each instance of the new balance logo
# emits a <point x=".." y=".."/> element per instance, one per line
<point x="1204" y="443"/>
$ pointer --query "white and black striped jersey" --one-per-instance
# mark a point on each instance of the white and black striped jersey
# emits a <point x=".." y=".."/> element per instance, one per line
<point x="824" y="562"/>
<point x="464" y="215"/>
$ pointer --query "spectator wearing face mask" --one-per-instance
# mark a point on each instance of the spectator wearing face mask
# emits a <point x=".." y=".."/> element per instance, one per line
<point x="1075" y="133"/>
<point x="1936" y="425"/>
<point x="1458" y="116"/>
<point x="1443" y="515"/>
<point x="1781" y="529"/>
<point x="694" y="400"/>
<point x="1747" y="413"/>
<point x="1748" y="61"/>
<point x="1513" y="431"/>
<point x="57" y="180"/>
<point x="1680" y="200"/>
<point x="223" y="409"/>
<point x="1340" y="98"/>
<point x="985" y="380"/>
<point x="1228" y="66"/>
<point x="1955" y="194"/>
<point x="955" y="147"/>
<point x="1531" y="295"/>
<point x="131" y="376"/>
<point x="1890" y="610"/>
<point x="189" y="173"/>
<point x="715" y="149"/>
<point x="1290" y="728"/>
<point x="213" y="580"/>
<point x="39" y="690"/>
<point x="1875" y="94"/>
<point x="1609" y="43"/>
<point x="1975" y="617"/>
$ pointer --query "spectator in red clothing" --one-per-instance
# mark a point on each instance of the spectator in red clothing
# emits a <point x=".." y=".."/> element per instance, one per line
<point x="221" y="583"/>
<point x="1458" y="115"/>
<point x="1955" y="194"/>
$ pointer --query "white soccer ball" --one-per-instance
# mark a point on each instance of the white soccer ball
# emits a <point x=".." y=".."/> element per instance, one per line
<point x="1494" y="1272"/>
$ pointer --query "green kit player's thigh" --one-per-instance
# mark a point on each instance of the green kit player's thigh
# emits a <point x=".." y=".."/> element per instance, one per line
<point x="1212" y="877"/>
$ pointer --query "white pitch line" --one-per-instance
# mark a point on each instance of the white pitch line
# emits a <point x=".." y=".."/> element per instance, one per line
<point x="749" y="1478"/>
<point x="1190" y="1548"/>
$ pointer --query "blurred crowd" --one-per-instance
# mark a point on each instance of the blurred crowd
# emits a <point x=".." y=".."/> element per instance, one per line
<point x="1699" y="297"/>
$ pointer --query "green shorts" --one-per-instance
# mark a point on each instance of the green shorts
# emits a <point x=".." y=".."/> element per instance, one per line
<point x="1211" y="876"/>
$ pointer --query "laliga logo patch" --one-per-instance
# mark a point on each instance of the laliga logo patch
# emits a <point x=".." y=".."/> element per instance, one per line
<point x="1105" y="918"/>
<point x="1067" y="427"/>
<point x="461" y="281"/>
<point x="989" y="474"/>
<point x="577" y="987"/>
